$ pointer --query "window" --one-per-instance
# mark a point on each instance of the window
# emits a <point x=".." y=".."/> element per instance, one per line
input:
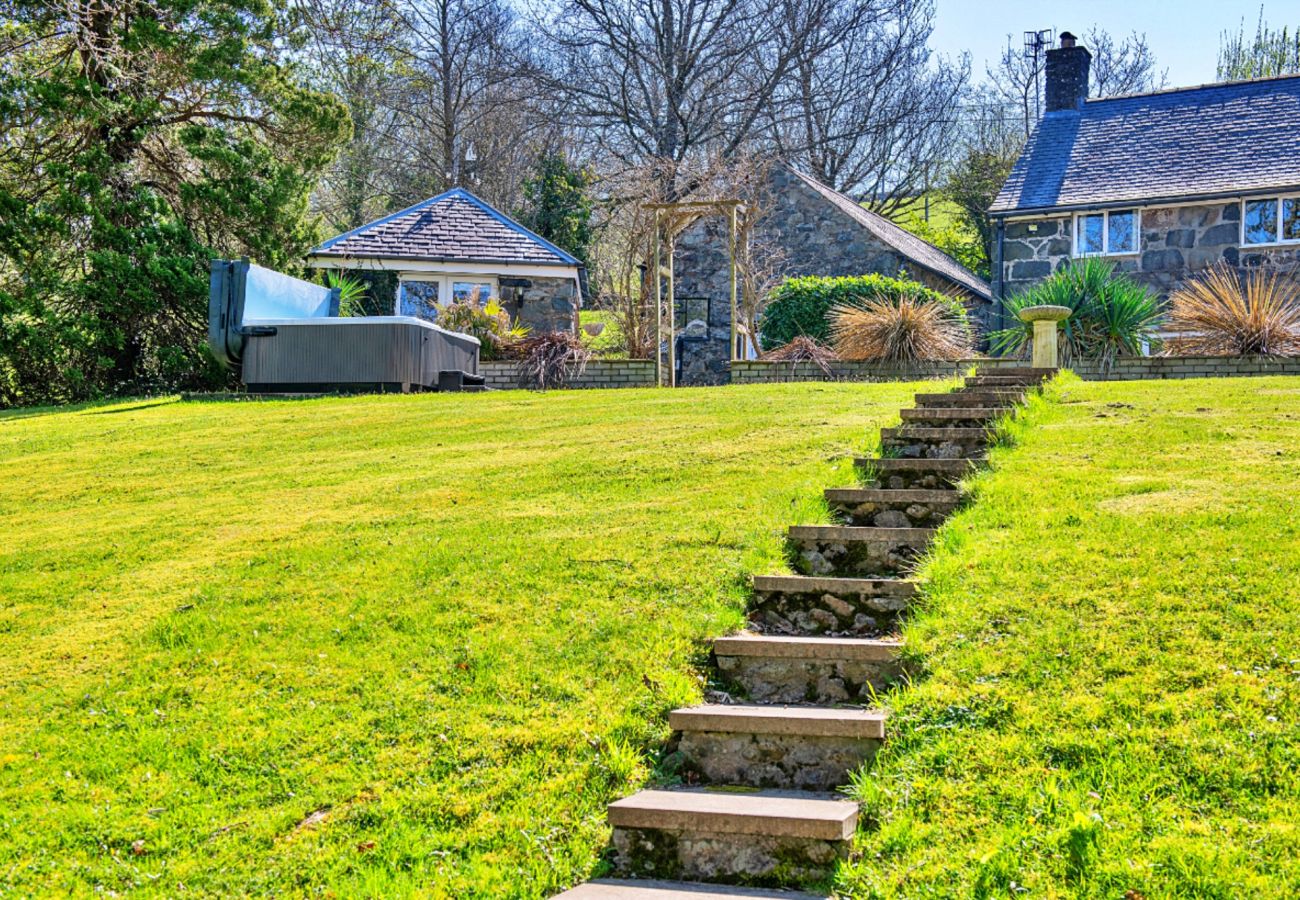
<point x="1106" y="233"/>
<point x="424" y="291"/>
<point x="1272" y="221"/>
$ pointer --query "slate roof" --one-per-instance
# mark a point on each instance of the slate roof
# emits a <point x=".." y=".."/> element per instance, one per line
<point x="909" y="246"/>
<point x="1188" y="143"/>
<point x="454" y="226"/>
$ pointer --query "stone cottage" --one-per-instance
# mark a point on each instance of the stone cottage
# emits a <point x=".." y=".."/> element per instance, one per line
<point x="818" y="231"/>
<point x="1162" y="184"/>
<point x="456" y="247"/>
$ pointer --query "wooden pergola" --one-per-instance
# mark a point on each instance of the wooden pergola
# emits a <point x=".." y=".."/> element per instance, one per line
<point x="671" y="219"/>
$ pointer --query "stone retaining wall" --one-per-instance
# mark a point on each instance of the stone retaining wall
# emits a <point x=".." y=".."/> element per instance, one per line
<point x="600" y="373"/>
<point x="1135" y="369"/>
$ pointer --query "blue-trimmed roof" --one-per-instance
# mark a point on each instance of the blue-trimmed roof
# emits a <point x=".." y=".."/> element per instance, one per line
<point x="1175" y="145"/>
<point x="454" y="226"/>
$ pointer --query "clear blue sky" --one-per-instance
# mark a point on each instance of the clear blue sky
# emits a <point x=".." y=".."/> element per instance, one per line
<point x="1183" y="34"/>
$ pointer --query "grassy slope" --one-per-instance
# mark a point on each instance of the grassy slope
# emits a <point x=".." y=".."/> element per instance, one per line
<point x="1113" y="652"/>
<point x="375" y="645"/>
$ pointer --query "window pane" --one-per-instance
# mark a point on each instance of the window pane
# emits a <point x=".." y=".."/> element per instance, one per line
<point x="477" y="293"/>
<point x="1261" y="221"/>
<point x="1291" y="219"/>
<point x="1122" y="232"/>
<point x="1090" y="233"/>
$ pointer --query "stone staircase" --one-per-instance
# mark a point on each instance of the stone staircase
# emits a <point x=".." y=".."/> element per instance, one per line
<point x="759" y="810"/>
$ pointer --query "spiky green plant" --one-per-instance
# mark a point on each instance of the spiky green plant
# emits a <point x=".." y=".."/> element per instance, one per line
<point x="1111" y="314"/>
<point x="352" y="293"/>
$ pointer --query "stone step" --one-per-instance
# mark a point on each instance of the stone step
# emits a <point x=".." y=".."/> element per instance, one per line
<point x="886" y="508"/>
<point x="913" y="474"/>
<point x="637" y="889"/>
<point x="952" y="416"/>
<point x="993" y="398"/>
<point x="926" y="442"/>
<point x="857" y="552"/>
<point x="807" y="748"/>
<point x="802" y="604"/>
<point x="727" y="835"/>
<point x="769" y="668"/>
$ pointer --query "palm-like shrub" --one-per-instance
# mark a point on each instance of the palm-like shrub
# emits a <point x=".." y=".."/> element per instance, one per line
<point x="489" y="323"/>
<point x="550" y="359"/>
<point x="804" y="350"/>
<point x="910" y="329"/>
<point x="352" y="294"/>
<point x="1111" y="314"/>
<point x="1220" y="313"/>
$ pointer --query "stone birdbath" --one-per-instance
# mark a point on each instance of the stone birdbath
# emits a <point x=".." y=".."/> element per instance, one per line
<point x="1045" y="319"/>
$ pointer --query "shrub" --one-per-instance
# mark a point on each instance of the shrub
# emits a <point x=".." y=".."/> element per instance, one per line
<point x="550" y="359"/>
<point x="909" y="330"/>
<point x="489" y="323"/>
<point x="803" y="349"/>
<point x="801" y="307"/>
<point x="1220" y="313"/>
<point x="1111" y="314"/>
<point x="352" y="293"/>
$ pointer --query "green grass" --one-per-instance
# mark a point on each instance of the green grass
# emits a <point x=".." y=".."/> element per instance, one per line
<point x="1110" y="648"/>
<point x="373" y="646"/>
<point x="609" y="343"/>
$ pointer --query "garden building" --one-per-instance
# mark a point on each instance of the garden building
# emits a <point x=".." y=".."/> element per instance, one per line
<point x="456" y="247"/>
<point x="1162" y="184"/>
<point x="809" y="229"/>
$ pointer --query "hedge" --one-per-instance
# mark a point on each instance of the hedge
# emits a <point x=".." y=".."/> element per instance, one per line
<point x="800" y="306"/>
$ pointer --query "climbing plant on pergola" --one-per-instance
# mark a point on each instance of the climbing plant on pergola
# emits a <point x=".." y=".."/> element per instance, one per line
<point x="671" y="219"/>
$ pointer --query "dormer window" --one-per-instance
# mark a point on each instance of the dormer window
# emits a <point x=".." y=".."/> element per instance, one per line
<point x="1111" y="233"/>
<point x="1272" y="221"/>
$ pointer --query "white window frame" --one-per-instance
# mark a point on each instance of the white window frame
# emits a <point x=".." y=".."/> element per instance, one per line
<point x="1105" y="232"/>
<point x="1278" y="240"/>
<point x="444" y="282"/>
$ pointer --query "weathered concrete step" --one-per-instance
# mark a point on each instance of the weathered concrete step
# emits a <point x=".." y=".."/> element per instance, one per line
<point x="856" y="552"/>
<point x="994" y="398"/>
<point x="886" y="508"/>
<point x="809" y="748"/>
<point x="637" y="889"/>
<point x="912" y="474"/>
<point x="803" y="604"/>
<point x="988" y="381"/>
<point x="768" y="668"/>
<point x="935" y="442"/>
<point x="749" y="836"/>
<point x="1017" y="371"/>
<point x="952" y="416"/>
<point x="794" y="721"/>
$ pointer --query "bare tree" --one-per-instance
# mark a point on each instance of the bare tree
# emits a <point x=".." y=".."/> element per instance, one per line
<point x="1118" y="67"/>
<point x="668" y="82"/>
<point x="1125" y="66"/>
<point x="875" y="113"/>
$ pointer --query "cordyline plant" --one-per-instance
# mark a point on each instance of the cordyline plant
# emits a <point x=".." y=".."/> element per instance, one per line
<point x="550" y="359"/>
<point x="1221" y="313"/>
<point x="1111" y="314"/>
<point x="804" y="349"/>
<point x="909" y="329"/>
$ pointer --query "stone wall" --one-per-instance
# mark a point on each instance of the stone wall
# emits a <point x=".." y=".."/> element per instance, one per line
<point x="1176" y="242"/>
<point x="760" y="372"/>
<point x="600" y="373"/>
<point x="543" y="304"/>
<point x="1126" y="369"/>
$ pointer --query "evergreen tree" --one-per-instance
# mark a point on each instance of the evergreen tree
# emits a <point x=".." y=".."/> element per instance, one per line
<point x="142" y="137"/>
<point x="558" y="205"/>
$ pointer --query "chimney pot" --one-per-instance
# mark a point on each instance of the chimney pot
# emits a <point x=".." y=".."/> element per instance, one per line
<point x="1067" y="74"/>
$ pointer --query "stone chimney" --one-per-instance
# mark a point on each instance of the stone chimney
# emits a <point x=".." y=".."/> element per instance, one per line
<point x="1067" y="74"/>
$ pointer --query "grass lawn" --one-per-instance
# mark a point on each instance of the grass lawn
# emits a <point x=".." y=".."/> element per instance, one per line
<point x="1111" y="642"/>
<point x="373" y="646"/>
